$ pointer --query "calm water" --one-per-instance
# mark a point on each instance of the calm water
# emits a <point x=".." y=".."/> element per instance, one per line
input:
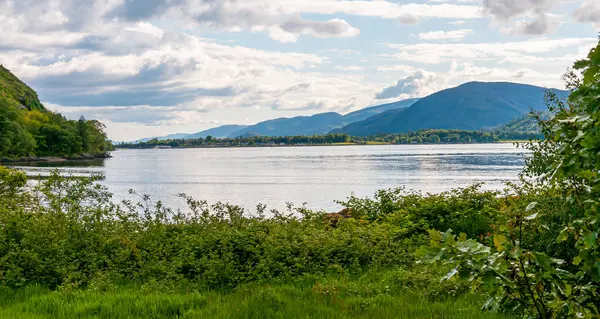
<point x="314" y="175"/>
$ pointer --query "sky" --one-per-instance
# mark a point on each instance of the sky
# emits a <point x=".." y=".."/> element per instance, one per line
<point x="156" y="67"/>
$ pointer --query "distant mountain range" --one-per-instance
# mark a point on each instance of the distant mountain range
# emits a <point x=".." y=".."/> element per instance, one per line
<point x="222" y="131"/>
<point x="219" y="131"/>
<point x="321" y="123"/>
<point x="471" y="106"/>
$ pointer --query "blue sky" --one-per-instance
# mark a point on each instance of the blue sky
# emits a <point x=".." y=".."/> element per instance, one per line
<point x="156" y="67"/>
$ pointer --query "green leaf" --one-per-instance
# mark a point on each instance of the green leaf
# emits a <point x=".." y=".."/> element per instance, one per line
<point x="499" y="241"/>
<point x="577" y="260"/>
<point x="531" y="206"/>
<point x="563" y="235"/>
<point x="450" y="274"/>
<point x="543" y="260"/>
<point x="532" y="216"/>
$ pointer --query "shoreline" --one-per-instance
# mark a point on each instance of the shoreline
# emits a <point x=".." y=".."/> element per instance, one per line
<point x="54" y="159"/>
<point x="311" y="145"/>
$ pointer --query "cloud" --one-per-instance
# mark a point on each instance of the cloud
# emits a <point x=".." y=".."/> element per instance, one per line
<point x="542" y="24"/>
<point x="396" y="67"/>
<point x="458" y="22"/>
<point x="437" y="53"/>
<point x="292" y="28"/>
<point x="408" y="19"/>
<point x="349" y="68"/>
<point x="445" y="35"/>
<point x="415" y="85"/>
<point x="589" y="11"/>
<point x="507" y="9"/>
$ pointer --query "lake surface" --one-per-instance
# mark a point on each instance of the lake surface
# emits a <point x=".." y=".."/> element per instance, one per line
<point x="314" y="175"/>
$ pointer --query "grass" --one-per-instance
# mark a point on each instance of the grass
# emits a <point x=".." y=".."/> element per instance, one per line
<point x="513" y="141"/>
<point x="345" y="143"/>
<point x="287" y="301"/>
<point x="376" y="143"/>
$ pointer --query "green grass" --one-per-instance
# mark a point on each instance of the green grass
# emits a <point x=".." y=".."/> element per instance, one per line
<point x="376" y="143"/>
<point x="256" y="301"/>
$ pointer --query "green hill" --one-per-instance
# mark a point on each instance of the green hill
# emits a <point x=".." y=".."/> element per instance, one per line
<point x="523" y="128"/>
<point x="471" y="106"/>
<point x="317" y="124"/>
<point x="28" y="129"/>
<point x="16" y="93"/>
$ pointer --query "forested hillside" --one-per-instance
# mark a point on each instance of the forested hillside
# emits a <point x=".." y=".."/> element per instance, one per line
<point x="28" y="129"/>
<point x="471" y="106"/>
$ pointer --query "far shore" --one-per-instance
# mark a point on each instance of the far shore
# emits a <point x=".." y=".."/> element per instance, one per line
<point x="309" y="145"/>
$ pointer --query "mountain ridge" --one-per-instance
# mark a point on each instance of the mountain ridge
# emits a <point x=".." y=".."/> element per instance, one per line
<point x="469" y="106"/>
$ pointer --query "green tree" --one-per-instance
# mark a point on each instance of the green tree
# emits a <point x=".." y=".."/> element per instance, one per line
<point x="541" y="282"/>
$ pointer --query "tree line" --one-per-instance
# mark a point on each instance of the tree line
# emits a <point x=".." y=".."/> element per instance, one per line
<point x="419" y="137"/>
<point x="27" y="129"/>
<point x="38" y="133"/>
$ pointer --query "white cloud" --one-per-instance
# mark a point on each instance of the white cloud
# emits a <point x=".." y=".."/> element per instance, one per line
<point x="146" y="28"/>
<point x="419" y="84"/>
<point x="506" y="9"/>
<point x="589" y="11"/>
<point x="542" y="24"/>
<point x="445" y="35"/>
<point x="349" y="68"/>
<point x="396" y="67"/>
<point x="435" y="53"/>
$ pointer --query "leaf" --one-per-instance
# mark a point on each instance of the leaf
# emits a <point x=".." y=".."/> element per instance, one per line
<point x="531" y="206"/>
<point x="532" y="216"/>
<point x="577" y="260"/>
<point x="450" y="274"/>
<point x="473" y="247"/>
<point x="499" y="240"/>
<point x="568" y="290"/>
<point x="543" y="260"/>
<point x="563" y="235"/>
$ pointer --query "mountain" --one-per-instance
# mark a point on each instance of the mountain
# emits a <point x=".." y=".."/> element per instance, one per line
<point x="218" y="132"/>
<point x="321" y="123"/>
<point x="471" y="106"/>
<point x="164" y="138"/>
<point x="28" y="129"/>
<point x="374" y="110"/>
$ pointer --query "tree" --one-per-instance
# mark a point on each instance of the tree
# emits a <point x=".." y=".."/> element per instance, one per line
<point x="566" y="163"/>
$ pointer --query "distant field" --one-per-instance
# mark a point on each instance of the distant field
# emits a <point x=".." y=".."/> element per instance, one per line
<point x="376" y="143"/>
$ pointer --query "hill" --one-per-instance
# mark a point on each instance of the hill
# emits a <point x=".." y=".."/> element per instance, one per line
<point x="317" y="124"/>
<point x="471" y="106"/>
<point x="28" y="129"/>
<point x="15" y="93"/>
<point x="299" y="125"/>
<point x="374" y="110"/>
<point x="218" y="132"/>
<point x="523" y="128"/>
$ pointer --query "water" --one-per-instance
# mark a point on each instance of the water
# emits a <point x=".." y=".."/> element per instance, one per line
<point x="316" y="176"/>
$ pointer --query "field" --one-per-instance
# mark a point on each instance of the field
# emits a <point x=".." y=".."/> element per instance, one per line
<point x="308" y="298"/>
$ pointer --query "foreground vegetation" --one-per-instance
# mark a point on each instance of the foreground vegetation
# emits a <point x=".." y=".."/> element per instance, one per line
<point x="369" y="296"/>
<point x="530" y="251"/>
<point x="27" y="129"/>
